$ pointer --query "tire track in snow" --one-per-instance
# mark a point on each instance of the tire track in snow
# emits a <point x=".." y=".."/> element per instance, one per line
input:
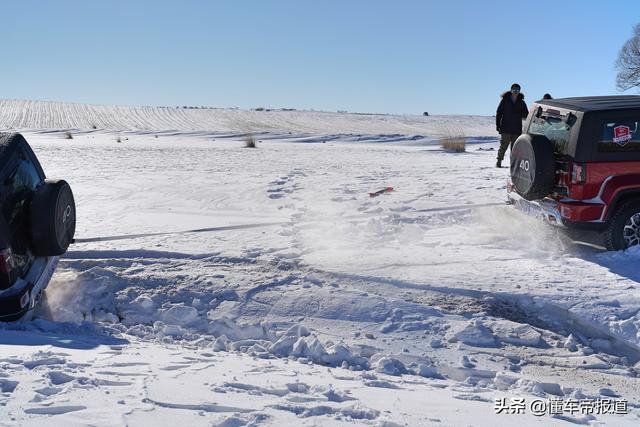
<point x="535" y="311"/>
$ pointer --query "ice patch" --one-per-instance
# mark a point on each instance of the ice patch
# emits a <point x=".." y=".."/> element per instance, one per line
<point x="571" y="343"/>
<point x="220" y="344"/>
<point x="46" y="361"/>
<point x="390" y="366"/>
<point x="337" y="396"/>
<point x="54" y="410"/>
<point x="356" y="412"/>
<point x="429" y="371"/>
<point x="7" y="386"/>
<point x="48" y="391"/>
<point x="608" y="392"/>
<point x="58" y="378"/>
<point x="310" y="348"/>
<point x="520" y="335"/>
<point x="178" y="314"/>
<point x="234" y="331"/>
<point x="476" y="334"/>
<point x="380" y="384"/>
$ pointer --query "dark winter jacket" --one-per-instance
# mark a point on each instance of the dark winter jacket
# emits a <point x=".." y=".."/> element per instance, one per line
<point x="510" y="114"/>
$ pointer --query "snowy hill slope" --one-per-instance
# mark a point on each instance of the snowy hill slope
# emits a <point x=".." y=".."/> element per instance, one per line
<point x="350" y="310"/>
<point x="57" y="115"/>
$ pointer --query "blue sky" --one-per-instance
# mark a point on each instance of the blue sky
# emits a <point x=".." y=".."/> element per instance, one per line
<point x="445" y="57"/>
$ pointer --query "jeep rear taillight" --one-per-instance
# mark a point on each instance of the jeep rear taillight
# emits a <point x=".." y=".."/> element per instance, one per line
<point x="6" y="261"/>
<point x="578" y="174"/>
<point x="7" y="272"/>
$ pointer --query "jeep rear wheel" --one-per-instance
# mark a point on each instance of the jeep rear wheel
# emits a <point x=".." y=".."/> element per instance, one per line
<point x="623" y="230"/>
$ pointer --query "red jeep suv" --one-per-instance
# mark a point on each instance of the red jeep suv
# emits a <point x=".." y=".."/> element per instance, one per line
<point x="578" y="166"/>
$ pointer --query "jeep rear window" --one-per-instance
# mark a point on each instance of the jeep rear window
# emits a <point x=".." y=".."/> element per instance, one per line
<point x="619" y="135"/>
<point x="14" y="195"/>
<point x="17" y="188"/>
<point x="555" y="128"/>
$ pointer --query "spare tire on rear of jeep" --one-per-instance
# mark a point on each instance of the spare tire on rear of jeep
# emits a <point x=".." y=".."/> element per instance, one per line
<point x="52" y="216"/>
<point x="533" y="170"/>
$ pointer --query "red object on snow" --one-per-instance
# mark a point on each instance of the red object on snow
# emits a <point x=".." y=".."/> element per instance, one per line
<point x="379" y="192"/>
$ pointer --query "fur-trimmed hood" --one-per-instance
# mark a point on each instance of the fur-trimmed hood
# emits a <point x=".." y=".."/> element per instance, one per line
<point x="508" y="93"/>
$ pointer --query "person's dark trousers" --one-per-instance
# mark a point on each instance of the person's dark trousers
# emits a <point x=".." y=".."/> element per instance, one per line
<point x="506" y="141"/>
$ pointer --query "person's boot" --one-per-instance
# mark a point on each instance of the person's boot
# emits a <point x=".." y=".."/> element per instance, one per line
<point x="499" y="164"/>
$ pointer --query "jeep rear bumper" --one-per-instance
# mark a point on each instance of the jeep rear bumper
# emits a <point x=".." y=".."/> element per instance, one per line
<point x="24" y="295"/>
<point x="546" y="209"/>
<point x="569" y="214"/>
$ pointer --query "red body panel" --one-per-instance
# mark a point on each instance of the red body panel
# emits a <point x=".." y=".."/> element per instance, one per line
<point x="581" y="212"/>
<point x="590" y="201"/>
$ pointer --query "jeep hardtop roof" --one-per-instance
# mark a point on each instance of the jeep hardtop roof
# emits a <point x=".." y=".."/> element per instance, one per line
<point x="591" y="113"/>
<point x="594" y="103"/>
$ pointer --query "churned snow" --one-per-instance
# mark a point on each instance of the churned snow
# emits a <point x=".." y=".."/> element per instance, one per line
<point x="347" y="309"/>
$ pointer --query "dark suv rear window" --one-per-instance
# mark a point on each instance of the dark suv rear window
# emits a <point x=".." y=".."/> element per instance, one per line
<point x="19" y="185"/>
<point x="17" y="188"/>
<point x="619" y="135"/>
<point x="554" y="127"/>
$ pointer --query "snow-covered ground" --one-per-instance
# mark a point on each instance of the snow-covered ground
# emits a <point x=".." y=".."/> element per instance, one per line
<point x="345" y="309"/>
<point x="16" y="114"/>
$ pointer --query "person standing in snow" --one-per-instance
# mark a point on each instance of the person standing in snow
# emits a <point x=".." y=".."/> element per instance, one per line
<point x="511" y="111"/>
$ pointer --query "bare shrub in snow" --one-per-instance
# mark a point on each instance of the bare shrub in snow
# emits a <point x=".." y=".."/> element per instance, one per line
<point x="250" y="141"/>
<point x="457" y="145"/>
<point x="453" y="139"/>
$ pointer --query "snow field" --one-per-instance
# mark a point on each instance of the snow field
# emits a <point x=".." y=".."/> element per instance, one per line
<point x="388" y="311"/>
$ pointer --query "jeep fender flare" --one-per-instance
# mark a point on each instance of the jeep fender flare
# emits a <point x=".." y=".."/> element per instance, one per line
<point x="615" y="189"/>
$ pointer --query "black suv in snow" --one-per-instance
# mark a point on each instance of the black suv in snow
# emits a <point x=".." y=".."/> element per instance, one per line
<point x="578" y="165"/>
<point x="37" y="225"/>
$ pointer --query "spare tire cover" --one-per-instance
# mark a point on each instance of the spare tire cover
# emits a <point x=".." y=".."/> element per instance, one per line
<point x="533" y="171"/>
<point x="53" y="218"/>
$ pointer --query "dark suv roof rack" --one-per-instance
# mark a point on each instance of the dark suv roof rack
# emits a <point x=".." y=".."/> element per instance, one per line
<point x="595" y="103"/>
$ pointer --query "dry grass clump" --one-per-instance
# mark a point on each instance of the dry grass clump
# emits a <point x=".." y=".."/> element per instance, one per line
<point x="456" y="145"/>
<point x="250" y="141"/>
<point x="453" y="139"/>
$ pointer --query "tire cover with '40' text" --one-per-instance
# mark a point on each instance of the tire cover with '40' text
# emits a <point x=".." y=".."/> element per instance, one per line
<point x="532" y="166"/>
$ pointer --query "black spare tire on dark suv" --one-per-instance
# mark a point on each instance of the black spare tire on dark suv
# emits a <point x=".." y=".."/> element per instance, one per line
<point x="46" y="208"/>
<point x="37" y="224"/>
<point x="52" y="215"/>
<point x="532" y="166"/>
